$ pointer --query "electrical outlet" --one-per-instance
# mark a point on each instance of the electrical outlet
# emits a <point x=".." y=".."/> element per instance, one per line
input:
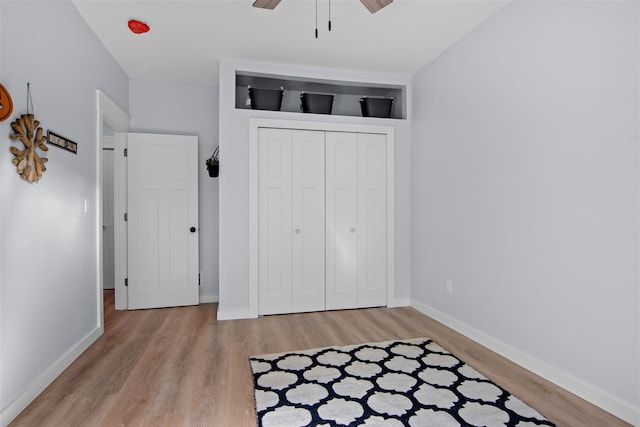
<point x="449" y="287"/>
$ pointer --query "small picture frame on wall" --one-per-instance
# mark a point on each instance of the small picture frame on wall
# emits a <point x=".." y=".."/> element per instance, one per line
<point x="62" y="142"/>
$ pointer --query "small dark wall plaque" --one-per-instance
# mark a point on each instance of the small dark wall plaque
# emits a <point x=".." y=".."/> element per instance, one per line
<point x="62" y="142"/>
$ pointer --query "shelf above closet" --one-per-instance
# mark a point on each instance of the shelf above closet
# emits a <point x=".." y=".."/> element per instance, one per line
<point x="347" y="93"/>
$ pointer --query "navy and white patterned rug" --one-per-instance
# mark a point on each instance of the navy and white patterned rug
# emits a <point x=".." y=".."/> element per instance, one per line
<point x="412" y="382"/>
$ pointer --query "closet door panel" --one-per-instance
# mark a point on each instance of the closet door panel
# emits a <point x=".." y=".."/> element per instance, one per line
<point x="341" y="224"/>
<point x="308" y="218"/>
<point x="275" y="221"/>
<point x="372" y="220"/>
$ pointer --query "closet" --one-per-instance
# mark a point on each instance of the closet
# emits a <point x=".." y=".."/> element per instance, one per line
<point x="322" y="220"/>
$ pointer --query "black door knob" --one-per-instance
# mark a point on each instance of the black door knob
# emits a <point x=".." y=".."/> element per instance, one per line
<point x="192" y="229"/>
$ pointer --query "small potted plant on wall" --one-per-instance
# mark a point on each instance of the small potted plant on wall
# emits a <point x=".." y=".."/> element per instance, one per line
<point x="213" y="163"/>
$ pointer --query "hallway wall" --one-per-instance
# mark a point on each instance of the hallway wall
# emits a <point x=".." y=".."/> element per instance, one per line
<point x="49" y="310"/>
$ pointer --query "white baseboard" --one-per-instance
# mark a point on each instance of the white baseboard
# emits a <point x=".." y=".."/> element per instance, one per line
<point x="235" y="314"/>
<point x="247" y="314"/>
<point x="399" y="302"/>
<point x="208" y="299"/>
<point x="557" y="376"/>
<point x="37" y="386"/>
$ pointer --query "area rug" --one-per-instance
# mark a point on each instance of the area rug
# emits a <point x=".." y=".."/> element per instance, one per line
<point x="395" y="383"/>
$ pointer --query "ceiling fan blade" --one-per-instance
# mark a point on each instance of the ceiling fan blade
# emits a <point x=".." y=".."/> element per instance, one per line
<point x="266" y="4"/>
<point x="375" y="5"/>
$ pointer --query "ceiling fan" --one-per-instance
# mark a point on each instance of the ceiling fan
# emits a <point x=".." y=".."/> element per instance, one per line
<point x="372" y="5"/>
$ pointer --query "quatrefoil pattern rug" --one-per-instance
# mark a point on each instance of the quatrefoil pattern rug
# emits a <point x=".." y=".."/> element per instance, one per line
<point x="396" y="383"/>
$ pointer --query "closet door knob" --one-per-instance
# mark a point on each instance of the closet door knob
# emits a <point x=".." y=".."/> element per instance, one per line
<point x="192" y="229"/>
<point x="297" y="231"/>
<point x="353" y="229"/>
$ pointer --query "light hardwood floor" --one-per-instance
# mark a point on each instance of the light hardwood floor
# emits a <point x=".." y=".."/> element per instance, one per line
<point x="181" y="367"/>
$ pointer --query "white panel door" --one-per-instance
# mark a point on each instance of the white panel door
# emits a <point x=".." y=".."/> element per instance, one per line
<point x="372" y="220"/>
<point x="308" y="221"/>
<point x="162" y="206"/>
<point x="275" y="222"/>
<point x="342" y="217"/>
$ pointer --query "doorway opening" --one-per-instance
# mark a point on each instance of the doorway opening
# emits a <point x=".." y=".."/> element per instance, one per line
<point x="110" y="120"/>
<point x="108" y="261"/>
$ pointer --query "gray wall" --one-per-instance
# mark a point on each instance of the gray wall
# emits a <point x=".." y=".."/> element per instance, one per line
<point x="48" y="247"/>
<point x="179" y="108"/>
<point x="525" y="188"/>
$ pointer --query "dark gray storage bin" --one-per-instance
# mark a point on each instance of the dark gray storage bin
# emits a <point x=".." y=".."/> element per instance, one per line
<point x="319" y="103"/>
<point x="266" y="99"/>
<point x="376" y="107"/>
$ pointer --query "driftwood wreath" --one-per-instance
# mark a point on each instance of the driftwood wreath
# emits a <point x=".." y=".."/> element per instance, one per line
<point x="29" y="164"/>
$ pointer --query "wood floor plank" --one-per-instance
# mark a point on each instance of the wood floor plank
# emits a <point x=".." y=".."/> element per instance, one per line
<point x="181" y="367"/>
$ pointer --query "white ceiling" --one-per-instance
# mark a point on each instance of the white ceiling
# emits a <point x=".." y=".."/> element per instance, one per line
<point x="188" y="38"/>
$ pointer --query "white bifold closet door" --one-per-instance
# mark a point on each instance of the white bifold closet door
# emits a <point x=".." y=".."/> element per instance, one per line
<point x="291" y="265"/>
<point x="322" y="227"/>
<point x="356" y="220"/>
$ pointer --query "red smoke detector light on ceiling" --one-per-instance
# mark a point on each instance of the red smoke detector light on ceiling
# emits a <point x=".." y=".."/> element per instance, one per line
<point x="138" y="27"/>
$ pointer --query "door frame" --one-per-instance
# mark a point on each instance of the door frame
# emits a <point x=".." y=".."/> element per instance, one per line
<point x="254" y="125"/>
<point x="107" y="113"/>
